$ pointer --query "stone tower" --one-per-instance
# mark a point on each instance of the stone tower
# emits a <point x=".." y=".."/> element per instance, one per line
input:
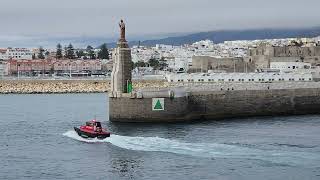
<point x="121" y="73"/>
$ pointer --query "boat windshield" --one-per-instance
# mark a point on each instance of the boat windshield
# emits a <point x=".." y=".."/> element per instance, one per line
<point x="98" y="124"/>
<point x="89" y="124"/>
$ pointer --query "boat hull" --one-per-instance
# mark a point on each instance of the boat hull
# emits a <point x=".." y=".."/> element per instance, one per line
<point x="85" y="134"/>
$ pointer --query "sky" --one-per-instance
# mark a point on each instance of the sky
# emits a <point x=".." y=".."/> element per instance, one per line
<point x="40" y="20"/>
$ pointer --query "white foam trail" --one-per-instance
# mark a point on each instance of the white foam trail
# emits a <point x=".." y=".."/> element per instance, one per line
<point x="213" y="150"/>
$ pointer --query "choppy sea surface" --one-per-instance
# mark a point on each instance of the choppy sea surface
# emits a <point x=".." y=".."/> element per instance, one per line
<point x="38" y="142"/>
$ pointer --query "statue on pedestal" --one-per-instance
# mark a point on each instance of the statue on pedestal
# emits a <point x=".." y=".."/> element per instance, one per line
<point x="121" y="73"/>
<point x="122" y="31"/>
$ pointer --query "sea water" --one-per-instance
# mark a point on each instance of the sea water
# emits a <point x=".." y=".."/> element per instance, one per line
<point x="38" y="142"/>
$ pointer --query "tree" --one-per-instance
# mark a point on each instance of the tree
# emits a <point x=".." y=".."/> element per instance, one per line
<point x="80" y="54"/>
<point x="103" y="53"/>
<point x="40" y="54"/>
<point x="59" y="51"/>
<point x="65" y="52"/>
<point x="33" y="56"/>
<point x="70" y="52"/>
<point x="139" y="64"/>
<point x="90" y="52"/>
<point x="153" y="63"/>
<point x="162" y="64"/>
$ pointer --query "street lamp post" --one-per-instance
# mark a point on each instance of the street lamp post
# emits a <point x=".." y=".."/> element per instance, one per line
<point x="18" y="70"/>
<point x="70" y="70"/>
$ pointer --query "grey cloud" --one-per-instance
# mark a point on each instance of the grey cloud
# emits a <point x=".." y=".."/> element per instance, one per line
<point x="59" y="18"/>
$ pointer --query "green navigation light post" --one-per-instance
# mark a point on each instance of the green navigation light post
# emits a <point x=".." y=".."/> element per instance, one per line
<point x="129" y="86"/>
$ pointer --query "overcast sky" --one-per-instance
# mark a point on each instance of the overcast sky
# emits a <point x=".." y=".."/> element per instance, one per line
<point x="22" y="19"/>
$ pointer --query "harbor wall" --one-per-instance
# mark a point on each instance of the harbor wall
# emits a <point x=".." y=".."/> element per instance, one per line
<point x="218" y="105"/>
<point x="243" y="103"/>
<point x="126" y="109"/>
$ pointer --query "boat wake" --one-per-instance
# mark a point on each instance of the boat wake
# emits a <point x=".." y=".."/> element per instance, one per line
<point x="207" y="150"/>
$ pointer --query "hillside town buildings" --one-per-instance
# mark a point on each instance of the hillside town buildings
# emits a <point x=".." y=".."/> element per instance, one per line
<point x="200" y="57"/>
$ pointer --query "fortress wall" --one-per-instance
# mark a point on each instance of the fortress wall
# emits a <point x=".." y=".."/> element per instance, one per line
<point x="230" y="64"/>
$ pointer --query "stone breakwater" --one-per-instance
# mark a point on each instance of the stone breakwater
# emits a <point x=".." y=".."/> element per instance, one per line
<point x="67" y="86"/>
<point x="218" y="101"/>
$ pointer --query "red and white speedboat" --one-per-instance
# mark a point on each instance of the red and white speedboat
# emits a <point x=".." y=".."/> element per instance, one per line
<point x="92" y="129"/>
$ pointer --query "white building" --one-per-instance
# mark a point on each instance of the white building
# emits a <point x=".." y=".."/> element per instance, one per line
<point x="289" y="66"/>
<point x="298" y="67"/>
<point x="179" y="64"/>
<point x="239" y="77"/>
<point x="15" y="53"/>
<point x="163" y="47"/>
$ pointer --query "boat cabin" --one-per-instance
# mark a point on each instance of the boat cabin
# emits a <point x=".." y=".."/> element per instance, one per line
<point x="93" y="123"/>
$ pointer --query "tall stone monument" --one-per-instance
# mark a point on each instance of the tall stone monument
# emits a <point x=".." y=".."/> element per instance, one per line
<point x="121" y="73"/>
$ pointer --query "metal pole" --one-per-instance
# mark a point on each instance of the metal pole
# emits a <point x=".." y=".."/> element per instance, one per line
<point x="70" y="70"/>
<point x="246" y="67"/>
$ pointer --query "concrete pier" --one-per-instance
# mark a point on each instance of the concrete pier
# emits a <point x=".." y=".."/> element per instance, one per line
<point x="234" y="100"/>
<point x="203" y="101"/>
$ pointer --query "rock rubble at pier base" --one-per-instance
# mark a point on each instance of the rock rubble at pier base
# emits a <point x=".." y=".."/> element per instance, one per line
<point x="67" y="86"/>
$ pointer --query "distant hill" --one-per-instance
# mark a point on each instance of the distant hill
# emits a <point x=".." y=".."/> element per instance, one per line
<point x="230" y="35"/>
<point x="176" y="39"/>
